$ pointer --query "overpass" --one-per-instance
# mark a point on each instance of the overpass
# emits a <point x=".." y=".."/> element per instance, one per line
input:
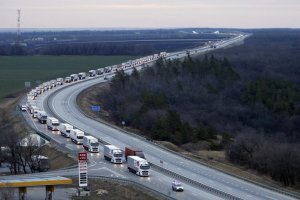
<point x="22" y="182"/>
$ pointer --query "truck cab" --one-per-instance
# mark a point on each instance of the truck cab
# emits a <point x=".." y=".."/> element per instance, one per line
<point x="81" y="75"/>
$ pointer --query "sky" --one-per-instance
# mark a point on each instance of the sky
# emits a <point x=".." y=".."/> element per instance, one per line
<point x="151" y="13"/>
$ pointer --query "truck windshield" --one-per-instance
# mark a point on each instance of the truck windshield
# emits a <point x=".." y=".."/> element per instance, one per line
<point x="55" y="124"/>
<point x="118" y="155"/>
<point x="95" y="144"/>
<point x="79" y="137"/>
<point x="145" y="166"/>
<point x="44" y="117"/>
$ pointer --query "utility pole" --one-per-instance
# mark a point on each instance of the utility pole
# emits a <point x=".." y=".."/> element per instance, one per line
<point x="18" y="26"/>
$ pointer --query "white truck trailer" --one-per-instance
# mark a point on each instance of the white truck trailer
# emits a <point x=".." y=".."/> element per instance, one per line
<point x="100" y="71"/>
<point x="76" y="136"/>
<point x="74" y="77"/>
<point x="59" y="81"/>
<point x="52" y="123"/>
<point x="42" y="117"/>
<point x="113" y="154"/>
<point x="138" y="165"/>
<point x="65" y="129"/>
<point x="90" y="144"/>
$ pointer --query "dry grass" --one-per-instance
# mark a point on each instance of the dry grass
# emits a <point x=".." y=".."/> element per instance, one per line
<point x="57" y="158"/>
<point x="111" y="190"/>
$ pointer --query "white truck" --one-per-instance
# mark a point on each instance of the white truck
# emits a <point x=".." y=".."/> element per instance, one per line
<point x="113" y="154"/>
<point x="100" y="71"/>
<point x="81" y="75"/>
<point x="65" y="129"/>
<point x="42" y="117"/>
<point x="52" y="123"/>
<point x="138" y="165"/>
<point x="33" y="111"/>
<point x="92" y="73"/>
<point x="76" y="136"/>
<point x="68" y="79"/>
<point x="74" y="77"/>
<point x="90" y="144"/>
<point x="59" y="81"/>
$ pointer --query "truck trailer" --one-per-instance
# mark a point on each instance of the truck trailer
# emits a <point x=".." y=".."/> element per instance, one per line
<point x="90" y="144"/>
<point x="113" y="154"/>
<point x="130" y="151"/>
<point x="138" y="165"/>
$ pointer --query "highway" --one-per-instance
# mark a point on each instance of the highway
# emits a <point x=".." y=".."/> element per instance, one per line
<point x="61" y="103"/>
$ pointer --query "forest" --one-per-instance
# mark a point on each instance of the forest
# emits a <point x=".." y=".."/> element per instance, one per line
<point x="247" y="95"/>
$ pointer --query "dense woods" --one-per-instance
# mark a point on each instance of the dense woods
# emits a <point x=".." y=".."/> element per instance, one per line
<point x="244" y="100"/>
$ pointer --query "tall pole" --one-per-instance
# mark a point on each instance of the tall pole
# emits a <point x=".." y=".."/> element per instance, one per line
<point x="18" y="26"/>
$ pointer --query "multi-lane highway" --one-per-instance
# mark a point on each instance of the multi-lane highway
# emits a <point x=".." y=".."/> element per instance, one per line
<point x="61" y="103"/>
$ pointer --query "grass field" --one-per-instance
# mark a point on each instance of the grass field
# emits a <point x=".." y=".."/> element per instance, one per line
<point x="15" y="70"/>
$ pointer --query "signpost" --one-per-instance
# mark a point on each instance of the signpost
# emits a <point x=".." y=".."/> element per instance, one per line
<point x="96" y="108"/>
<point x="82" y="166"/>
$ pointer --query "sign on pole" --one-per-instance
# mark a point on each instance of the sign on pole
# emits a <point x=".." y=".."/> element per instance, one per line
<point x="96" y="108"/>
<point x="82" y="166"/>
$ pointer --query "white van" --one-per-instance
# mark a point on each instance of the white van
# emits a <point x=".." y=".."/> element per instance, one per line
<point x="76" y="136"/>
<point x="65" y="129"/>
<point x="52" y="123"/>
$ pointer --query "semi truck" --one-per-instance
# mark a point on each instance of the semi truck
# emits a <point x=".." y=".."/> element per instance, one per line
<point x="138" y="166"/>
<point x="74" y="77"/>
<point x="59" y="81"/>
<point x="92" y="73"/>
<point x="52" y="123"/>
<point x="68" y="79"/>
<point x="42" y="117"/>
<point x="130" y="151"/>
<point x="81" y="75"/>
<point x="113" y="154"/>
<point x="90" y="144"/>
<point x="100" y="71"/>
<point x="65" y="129"/>
<point x="76" y="136"/>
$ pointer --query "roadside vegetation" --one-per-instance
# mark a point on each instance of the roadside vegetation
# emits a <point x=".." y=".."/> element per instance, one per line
<point x="243" y="100"/>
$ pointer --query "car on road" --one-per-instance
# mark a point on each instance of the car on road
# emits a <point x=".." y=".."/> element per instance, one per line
<point x="23" y="107"/>
<point x="176" y="186"/>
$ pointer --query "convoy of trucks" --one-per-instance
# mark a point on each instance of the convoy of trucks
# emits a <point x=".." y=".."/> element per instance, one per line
<point x="76" y="136"/>
<point x="113" y="154"/>
<point x="52" y="123"/>
<point x="138" y="165"/>
<point x="90" y="144"/>
<point x="135" y="158"/>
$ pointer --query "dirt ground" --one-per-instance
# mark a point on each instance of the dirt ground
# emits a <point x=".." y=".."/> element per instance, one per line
<point x="113" y="190"/>
<point x="212" y="159"/>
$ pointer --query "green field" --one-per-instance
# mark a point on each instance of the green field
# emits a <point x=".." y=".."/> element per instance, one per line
<point x="15" y="70"/>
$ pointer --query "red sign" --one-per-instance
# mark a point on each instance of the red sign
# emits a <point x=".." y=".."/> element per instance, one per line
<point x="82" y="156"/>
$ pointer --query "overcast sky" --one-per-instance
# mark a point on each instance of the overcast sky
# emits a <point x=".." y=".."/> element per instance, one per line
<point x="150" y="13"/>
